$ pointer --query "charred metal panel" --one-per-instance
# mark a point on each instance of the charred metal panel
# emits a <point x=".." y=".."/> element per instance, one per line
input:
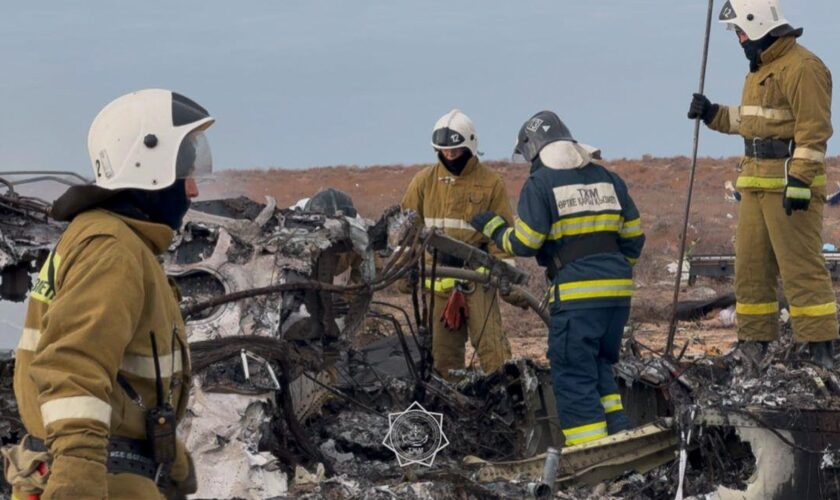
<point x="643" y="403"/>
<point x="796" y="451"/>
<point x="640" y="449"/>
<point x="231" y="246"/>
<point x="27" y="235"/>
<point x="25" y="242"/>
<point x="15" y="281"/>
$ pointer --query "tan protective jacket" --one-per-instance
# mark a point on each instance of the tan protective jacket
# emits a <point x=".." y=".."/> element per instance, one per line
<point x="447" y="201"/>
<point x="789" y="97"/>
<point x="89" y="319"/>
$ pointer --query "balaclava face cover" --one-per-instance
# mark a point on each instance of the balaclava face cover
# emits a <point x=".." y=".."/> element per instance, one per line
<point x="457" y="165"/>
<point x="167" y="206"/>
<point x="754" y="49"/>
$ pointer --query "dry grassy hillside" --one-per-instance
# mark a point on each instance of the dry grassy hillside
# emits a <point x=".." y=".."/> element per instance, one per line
<point x="657" y="184"/>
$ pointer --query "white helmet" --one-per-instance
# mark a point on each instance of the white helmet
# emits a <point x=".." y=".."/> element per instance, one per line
<point x="756" y="18"/>
<point x="147" y="140"/>
<point x="455" y="130"/>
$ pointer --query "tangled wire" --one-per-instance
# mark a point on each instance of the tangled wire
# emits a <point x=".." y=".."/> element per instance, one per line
<point x="402" y="262"/>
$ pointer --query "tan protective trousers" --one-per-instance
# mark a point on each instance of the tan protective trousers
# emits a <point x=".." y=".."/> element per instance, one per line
<point x="492" y="346"/>
<point x="768" y="242"/>
<point x="131" y="486"/>
<point x="121" y="487"/>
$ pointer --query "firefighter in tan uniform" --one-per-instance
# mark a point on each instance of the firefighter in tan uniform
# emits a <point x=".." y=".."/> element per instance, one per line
<point x="785" y="119"/>
<point x="103" y="326"/>
<point x="447" y="196"/>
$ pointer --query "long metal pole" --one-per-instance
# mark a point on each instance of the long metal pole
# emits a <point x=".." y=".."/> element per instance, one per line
<point x="672" y="329"/>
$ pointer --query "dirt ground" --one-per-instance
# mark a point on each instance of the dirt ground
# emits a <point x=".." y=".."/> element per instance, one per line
<point x="658" y="186"/>
<point x="529" y="336"/>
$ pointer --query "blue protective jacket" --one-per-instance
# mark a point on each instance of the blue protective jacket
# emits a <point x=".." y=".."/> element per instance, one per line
<point x="582" y="224"/>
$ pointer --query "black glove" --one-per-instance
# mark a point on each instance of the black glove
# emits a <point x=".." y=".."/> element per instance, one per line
<point x="797" y="195"/>
<point x="488" y="223"/>
<point x="701" y="107"/>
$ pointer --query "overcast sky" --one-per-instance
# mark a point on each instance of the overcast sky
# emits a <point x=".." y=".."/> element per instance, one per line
<point x="303" y="83"/>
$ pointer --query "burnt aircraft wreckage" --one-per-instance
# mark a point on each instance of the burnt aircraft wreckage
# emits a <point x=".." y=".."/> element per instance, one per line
<point x="298" y="361"/>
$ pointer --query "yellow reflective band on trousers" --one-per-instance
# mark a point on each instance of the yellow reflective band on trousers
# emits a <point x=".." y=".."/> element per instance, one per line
<point x="612" y="403"/>
<point x="631" y="228"/>
<point x="441" y="284"/>
<point x="757" y="309"/>
<point x="585" y="433"/>
<point x="594" y="289"/>
<point x="772" y="182"/>
<point x="44" y="288"/>
<point x="583" y="225"/>
<point x="820" y="310"/>
<point x="527" y="236"/>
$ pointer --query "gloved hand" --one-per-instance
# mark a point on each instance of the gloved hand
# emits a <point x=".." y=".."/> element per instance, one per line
<point x="516" y="298"/>
<point x="488" y="223"/>
<point x="797" y="196"/>
<point x="456" y="310"/>
<point x="179" y="487"/>
<point x="74" y="477"/>
<point x="701" y="107"/>
<point x="182" y="480"/>
<point x="25" y="470"/>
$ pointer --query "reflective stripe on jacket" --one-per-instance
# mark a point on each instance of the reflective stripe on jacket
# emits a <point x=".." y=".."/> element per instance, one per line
<point x="585" y="206"/>
<point x="89" y="317"/>
<point x="447" y="201"/>
<point x="789" y="97"/>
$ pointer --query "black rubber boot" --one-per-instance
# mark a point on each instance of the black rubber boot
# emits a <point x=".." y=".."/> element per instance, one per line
<point x="755" y="349"/>
<point x="753" y="354"/>
<point x="822" y="353"/>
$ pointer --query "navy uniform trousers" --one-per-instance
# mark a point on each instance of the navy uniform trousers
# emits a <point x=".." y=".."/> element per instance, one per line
<point x="583" y="345"/>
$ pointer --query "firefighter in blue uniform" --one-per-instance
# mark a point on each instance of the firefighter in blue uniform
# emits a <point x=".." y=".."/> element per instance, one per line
<point x="578" y="220"/>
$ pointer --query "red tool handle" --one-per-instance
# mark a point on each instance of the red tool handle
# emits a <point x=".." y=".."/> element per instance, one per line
<point x="42" y="469"/>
